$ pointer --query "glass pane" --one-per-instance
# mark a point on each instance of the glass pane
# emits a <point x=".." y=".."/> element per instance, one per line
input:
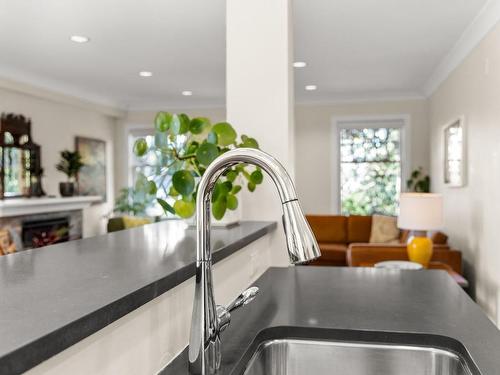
<point x="369" y="145"/>
<point x="16" y="171"/>
<point x="453" y="154"/>
<point x="370" y="171"/>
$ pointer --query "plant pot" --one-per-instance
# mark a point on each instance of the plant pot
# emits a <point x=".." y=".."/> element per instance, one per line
<point x="67" y="189"/>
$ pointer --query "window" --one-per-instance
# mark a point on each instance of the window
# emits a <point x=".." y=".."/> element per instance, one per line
<point x="142" y="165"/>
<point x="454" y="154"/>
<point x="149" y="164"/>
<point x="370" y="167"/>
<point x="152" y="166"/>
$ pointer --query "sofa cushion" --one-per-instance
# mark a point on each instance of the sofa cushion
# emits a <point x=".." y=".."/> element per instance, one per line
<point x="333" y="251"/>
<point x="328" y="228"/>
<point x="384" y="229"/>
<point x="359" y="228"/>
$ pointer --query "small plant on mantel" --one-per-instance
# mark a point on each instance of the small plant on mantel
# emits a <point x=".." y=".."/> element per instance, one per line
<point x="182" y="150"/>
<point x="419" y="182"/>
<point x="70" y="164"/>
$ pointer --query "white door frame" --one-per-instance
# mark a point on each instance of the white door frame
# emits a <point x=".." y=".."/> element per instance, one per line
<point x="344" y="122"/>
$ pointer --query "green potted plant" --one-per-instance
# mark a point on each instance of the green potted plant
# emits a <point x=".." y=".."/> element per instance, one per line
<point x="419" y="182"/>
<point x="70" y="164"/>
<point x="182" y="150"/>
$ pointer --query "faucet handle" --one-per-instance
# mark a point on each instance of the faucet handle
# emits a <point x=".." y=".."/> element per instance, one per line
<point x="224" y="313"/>
<point x="244" y="298"/>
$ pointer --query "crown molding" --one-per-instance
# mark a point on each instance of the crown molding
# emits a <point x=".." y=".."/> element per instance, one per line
<point x="484" y="21"/>
<point x="60" y="95"/>
<point x="388" y="96"/>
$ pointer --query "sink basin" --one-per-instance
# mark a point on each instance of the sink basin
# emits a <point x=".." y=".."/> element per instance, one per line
<point x="318" y="357"/>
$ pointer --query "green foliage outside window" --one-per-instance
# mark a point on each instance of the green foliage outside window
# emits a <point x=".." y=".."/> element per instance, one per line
<point x="133" y="202"/>
<point x="370" y="171"/>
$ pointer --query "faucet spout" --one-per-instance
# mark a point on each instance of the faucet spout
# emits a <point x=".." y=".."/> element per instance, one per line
<point x="206" y="324"/>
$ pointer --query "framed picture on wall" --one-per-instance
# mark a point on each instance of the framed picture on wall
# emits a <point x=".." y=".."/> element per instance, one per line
<point x="454" y="153"/>
<point x="92" y="176"/>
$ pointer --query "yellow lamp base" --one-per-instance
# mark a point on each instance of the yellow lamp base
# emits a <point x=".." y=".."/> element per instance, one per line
<point x="420" y="250"/>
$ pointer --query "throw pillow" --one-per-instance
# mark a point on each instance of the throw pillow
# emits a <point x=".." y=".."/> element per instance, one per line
<point x="384" y="229"/>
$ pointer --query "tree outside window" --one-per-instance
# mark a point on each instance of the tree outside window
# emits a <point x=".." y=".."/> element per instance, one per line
<point x="370" y="170"/>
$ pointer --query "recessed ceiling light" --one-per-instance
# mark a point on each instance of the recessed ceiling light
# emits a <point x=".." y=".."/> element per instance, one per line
<point x="79" y="39"/>
<point x="299" y="64"/>
<point x="145" y="73"/>
<point x="187" y="93"/>
<point x="311" y="87"/>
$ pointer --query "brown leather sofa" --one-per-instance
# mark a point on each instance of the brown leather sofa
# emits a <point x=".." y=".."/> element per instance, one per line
<point x="336" y="234"/>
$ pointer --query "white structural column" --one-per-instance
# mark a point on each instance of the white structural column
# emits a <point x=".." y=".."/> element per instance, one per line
<point x="259" y="96"/>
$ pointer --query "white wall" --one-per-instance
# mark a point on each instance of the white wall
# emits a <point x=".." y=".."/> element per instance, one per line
<point x="315" y="161"/>
<point x="54" y="127"/>
<point x="472" y="212"/>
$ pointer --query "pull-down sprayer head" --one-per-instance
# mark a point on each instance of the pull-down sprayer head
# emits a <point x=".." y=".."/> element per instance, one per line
<point x="300" y="240"/>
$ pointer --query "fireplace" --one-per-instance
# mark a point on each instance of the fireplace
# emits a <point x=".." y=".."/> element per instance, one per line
<point x="45" y="231"/>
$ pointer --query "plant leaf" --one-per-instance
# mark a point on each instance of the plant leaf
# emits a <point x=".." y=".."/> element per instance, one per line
<point x="199" y="124"/>
<point x="140" y="147"/>
<point x="232" y="202"/>
<point x="251" y="186"/>
<point x="162" y="121"/>
<point x="185" y="122"/>
<point x="183" y="182"/>
<point x="256" y="177"/>
<point x="166" y="207"/>
<point x="184" y="208"/>
<point x="226" y="135"/>
<point x="236" y="189"/>
<point x="152" y="189"/>
<point x="212" y="138"/>
<point x="249" y="142"/>
<point x="179" y="124"/>
<point x="221" y="189"/>
<point x="207" y="153"/>
<point x="231" y="176"/>
<point x="219" y="208"/>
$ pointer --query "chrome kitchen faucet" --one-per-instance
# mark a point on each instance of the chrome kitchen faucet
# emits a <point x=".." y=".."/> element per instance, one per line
<point x="209" y="320"/>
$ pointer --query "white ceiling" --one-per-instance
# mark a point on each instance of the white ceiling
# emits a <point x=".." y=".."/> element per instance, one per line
<point x="374" y="48"/>
<point x="354" y="48"/>
<point x="181" y="41"/>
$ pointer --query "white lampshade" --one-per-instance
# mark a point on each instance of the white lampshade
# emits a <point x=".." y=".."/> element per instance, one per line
<point x="420" y="211"/>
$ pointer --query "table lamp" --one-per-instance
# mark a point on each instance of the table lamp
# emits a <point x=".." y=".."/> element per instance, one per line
<point x="419" y="213"/>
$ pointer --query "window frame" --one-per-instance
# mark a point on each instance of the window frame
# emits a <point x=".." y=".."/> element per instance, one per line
<point x="460" y="121"/>
<point x="130" y="132"/>
<point x="401" y="121"/>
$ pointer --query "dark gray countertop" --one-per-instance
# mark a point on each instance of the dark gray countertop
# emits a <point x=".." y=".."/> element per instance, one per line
<point x="360" y="304"/>
<point x="53" y="297"/>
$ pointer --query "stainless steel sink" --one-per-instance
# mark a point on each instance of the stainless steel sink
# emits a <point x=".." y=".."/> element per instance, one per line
<point x="315" y="357"/>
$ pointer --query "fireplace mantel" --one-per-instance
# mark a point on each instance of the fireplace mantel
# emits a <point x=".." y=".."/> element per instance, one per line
<point x="29" y="206"/>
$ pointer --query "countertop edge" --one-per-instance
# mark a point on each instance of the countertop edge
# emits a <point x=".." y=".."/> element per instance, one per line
<point x="45" y="347"/>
